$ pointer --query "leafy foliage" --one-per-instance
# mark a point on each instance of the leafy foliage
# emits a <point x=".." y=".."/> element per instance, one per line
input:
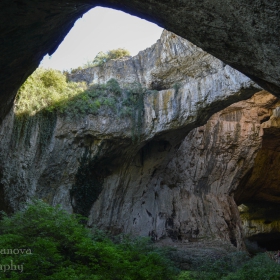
<point x="47" y="93"/>
<point x="236" y="266"/>
<point x="261" y="267"/>
<point x="45" y="89"/>
<point x="101" y="58"/>
<point x="135" y="101"/>
<point x="61" y="248"/>
<point x="212" y="269"/>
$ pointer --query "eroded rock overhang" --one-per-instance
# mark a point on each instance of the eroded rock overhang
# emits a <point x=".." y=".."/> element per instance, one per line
<point x="244" y="35"/>
<point x="258" y="193"/>
<point x="168" y="184"/>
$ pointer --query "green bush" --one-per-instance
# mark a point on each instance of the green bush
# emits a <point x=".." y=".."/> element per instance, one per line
<point x="46" y="94"/>
<point x="101" y="58"/>
<point x="45" y="89"/>
<point x="261" y="267"/>
<point x="235" y="266"/>
<point x="53" y="78"/>
<point x="212" y="269"/>
<point x="185" y="275"/>
<point x="114" y="86"/>
<point x="57" y="246"/>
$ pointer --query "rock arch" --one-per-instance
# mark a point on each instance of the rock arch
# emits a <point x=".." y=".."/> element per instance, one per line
<point x="244" y="35"/>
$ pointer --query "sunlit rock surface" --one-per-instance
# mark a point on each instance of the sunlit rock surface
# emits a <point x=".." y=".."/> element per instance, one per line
<point x="192" y="84"/>
<point x="178" y="181"/>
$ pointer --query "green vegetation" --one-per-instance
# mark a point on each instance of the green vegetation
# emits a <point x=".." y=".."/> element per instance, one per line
<point x="46" y="90"/>
<point x="101" y="58"/>
<point x="133" y="106"/>
<point x="235" y="266"/>
<point x="55" y="245"/>
<point x="44" y="242"/>
<point x="46" y="93"/>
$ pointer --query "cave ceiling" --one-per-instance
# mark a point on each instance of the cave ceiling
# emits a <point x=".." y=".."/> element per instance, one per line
<point x="242" y="33"/>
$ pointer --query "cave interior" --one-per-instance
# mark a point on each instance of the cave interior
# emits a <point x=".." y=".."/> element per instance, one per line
<point x="258" y="195"/>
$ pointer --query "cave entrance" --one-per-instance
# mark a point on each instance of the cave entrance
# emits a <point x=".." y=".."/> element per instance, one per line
<point x="258" y="194"/>
<point x="261" y="225"/>
<point x="266" y="241"/>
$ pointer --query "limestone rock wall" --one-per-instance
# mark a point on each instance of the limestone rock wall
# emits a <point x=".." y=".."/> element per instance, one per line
<point x="192" y="195"/>
<point x="177" y="182"/>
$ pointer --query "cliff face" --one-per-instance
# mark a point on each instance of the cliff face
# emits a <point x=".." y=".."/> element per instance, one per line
<point x="191" y="195"/>
<point x="178" y="180"/>
<point x="243" y="35"/>
<point x="192" y="84"/>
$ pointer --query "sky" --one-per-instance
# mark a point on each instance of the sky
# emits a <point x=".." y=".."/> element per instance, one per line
<point x="102" y="29"/>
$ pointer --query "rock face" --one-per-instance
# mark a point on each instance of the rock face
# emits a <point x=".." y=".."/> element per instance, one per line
<point x="198" y="84"/>
<point x="243" y="35"/>
<point x="192" y="195"/>
<point x="258" y="192"/>
<point x="179" y="181"/>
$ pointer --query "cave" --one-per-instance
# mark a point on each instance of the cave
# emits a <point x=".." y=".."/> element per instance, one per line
<point x="38" y="28"/>
<point x="267" y="241"/>
<point x="30" y="30"/>
<point x="258" y="195"/>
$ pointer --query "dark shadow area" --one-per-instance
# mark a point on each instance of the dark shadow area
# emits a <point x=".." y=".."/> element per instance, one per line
<point x="267" y="241"/>
<point x="4" y="206"/>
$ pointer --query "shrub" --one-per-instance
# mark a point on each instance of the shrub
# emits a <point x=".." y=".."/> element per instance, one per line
<point x="236" y="266"/>
<point x="213" y="269"/>
<point x="45" y="89"/>
<point x="118" y="53"/>
<point x="114" y="86"/>
<point x="101" y="58"/>
<point x="53" y="78"/>
<point x="261" y="267"/>
<point x="47" y="93"/>
<point x="57" y="246"/>
<point x="185" y="275"/>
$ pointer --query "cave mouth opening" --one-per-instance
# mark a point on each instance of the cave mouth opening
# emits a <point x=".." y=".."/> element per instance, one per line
<point x="258" y="193"/>
<point x="261" y="225"/>
<point x="265" y="241"/>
